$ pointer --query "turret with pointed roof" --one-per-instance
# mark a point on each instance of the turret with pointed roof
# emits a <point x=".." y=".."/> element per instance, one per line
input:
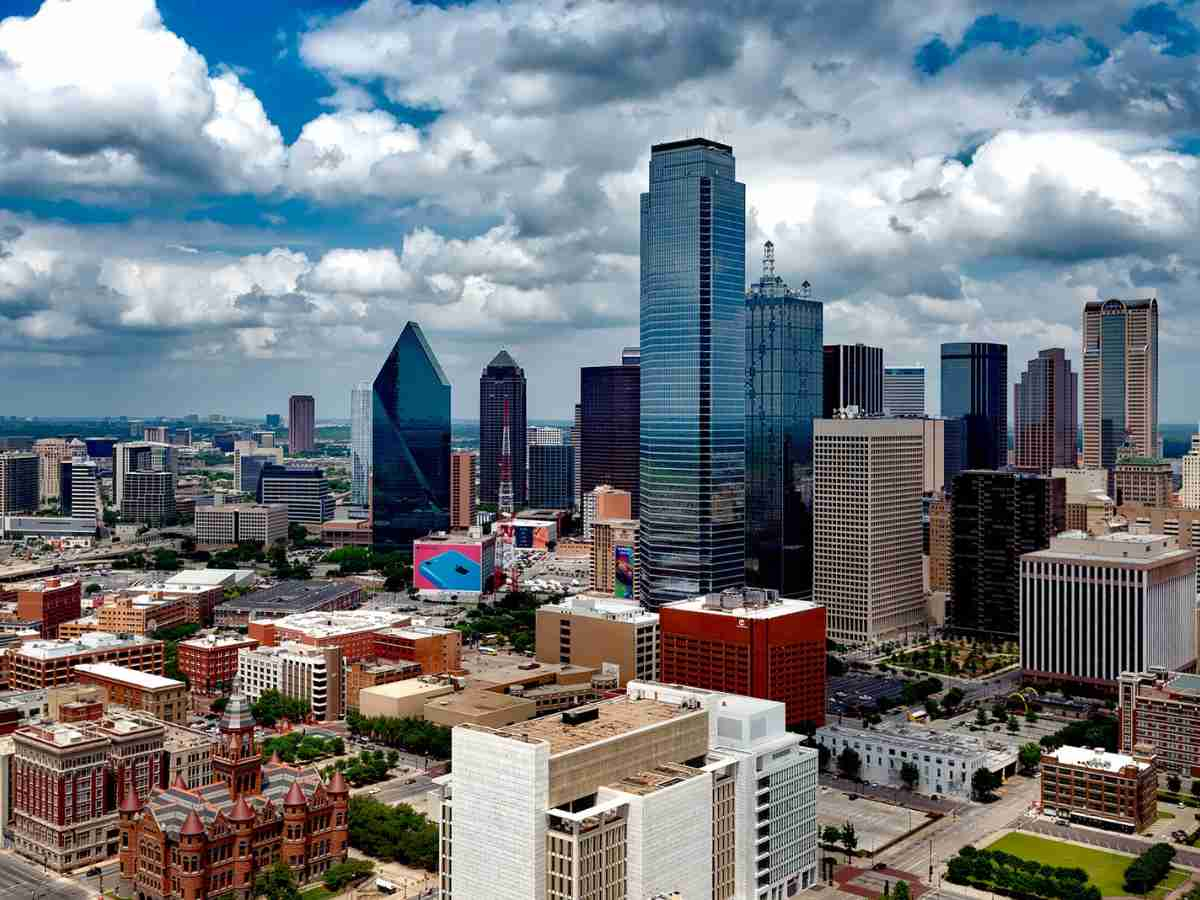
<point x="236" y="760"/>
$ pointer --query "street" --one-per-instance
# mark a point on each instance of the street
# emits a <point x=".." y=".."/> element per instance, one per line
<point x="1106" y="840"/>
<point x="24" y="880"/>
<point x="109" y="872"/>
<point x="397" y="790"/>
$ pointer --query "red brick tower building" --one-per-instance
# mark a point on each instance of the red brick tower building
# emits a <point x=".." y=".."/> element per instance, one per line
<point x="191" y="844"/>
<point x="749" y="642"/>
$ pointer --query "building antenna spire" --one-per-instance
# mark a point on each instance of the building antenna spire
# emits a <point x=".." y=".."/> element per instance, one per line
<point x="768" y="272"/>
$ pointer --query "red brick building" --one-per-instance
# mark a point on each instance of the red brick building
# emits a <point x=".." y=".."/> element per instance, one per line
<point x="353" y="631"/>
<point x="749" y="642"/>
<point x="1162" y="710"/>
<point x="213" y="841"/>
<point x="50" y="602"/>
<point x="437" y="650"/>
<point x="41" y="664"/>
<point x="210" y="662"/>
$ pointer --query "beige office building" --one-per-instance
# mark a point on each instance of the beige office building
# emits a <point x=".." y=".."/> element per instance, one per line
<point x="51" y="453"/>
<point x="591" y="630"/>
<point x="607" y="536"/>
<point x="605" y="502"/>
<point x="233" y="523"/>
<point x="867" y="559"/>
<point x="1145" y="480"/>
<point x="463" y="501"/>
<point x="1120" y="346"/>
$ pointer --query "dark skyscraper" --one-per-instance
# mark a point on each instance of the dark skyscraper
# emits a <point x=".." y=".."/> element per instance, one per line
<point x="975" y="389"/>
<point x="551" y="475"/>
<point x="853" y="376"/>
<point x="995" y="517"/>
<point x="692" y="503"/>
<point x="610" y="427"/>
<point x="410" y="444"/>
<point x="503" y="381"/>
<point x="1045" y="413"/>
<point x="783" y="395"/>
<point x="302" y="414"/>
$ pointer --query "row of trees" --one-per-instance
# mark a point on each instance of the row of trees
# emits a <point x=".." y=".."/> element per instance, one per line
<point x="395" y="567"/>
<point x="366" y="768"/>
<point x="297" y="747"/>
<point x="512" y="618"/>
<point x="1145" y="872"/>
<point x="393" y="833"/>
<point x="271" y="706"/>
<point x="1098" y="731"/>
<point x="406" y="733"/>
<point x="846" y="836"/>
<point x="1004" y="873"/>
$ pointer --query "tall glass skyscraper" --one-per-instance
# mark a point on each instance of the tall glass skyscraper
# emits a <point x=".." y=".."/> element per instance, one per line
<point x="693" y="373"/>
<point x="360" y="444"/>
<point x="784" y="374"/>
<point x="502" y="391"/>
<point x="975" y="389"/>
<point x="1120" y="380"/>
<point x="410" y="444"/>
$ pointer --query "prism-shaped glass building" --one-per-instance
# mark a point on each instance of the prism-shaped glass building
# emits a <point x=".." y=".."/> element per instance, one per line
<point x="410" y="444"/>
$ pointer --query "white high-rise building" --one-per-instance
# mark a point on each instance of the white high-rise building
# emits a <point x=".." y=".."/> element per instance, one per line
<point x="904" y="390"/>
<point x="300" y="671"/>
<point x="361" y="400"/>
<point x="1190" y="495"/>
<point x="80" y="489"/>
<point x="667" y="790"/>
<point x="867" y="553"/>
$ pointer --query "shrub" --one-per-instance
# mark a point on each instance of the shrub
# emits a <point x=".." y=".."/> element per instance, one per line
<point x="1145" y="872"/>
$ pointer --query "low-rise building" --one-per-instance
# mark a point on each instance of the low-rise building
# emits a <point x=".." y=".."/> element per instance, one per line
<point x="140" y="613"/>
<point x="366" y="673"/>
<point x="403" y="699"/>
<point x="232" y="523"/>
<point x="1162" y="710"/>
<point x="479" y="707"/>
<point x="945" y="762"/>
<point x="163" y="698"/>
<point x="1114" y="791"/>
<point x="355" y="630"/>
<point x="288" y="598"/>
<point x="339" y="533"/>
<point x="312" y="674"/>
<point x="438" y="650"/>
<point x="210" y="661"/>
<point x="590" y="630"/>
<point x="50" y="601"/>
<point x="41" y="664"/>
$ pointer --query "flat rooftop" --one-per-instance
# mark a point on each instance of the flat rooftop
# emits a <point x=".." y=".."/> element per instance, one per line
<point x="1089" y="758"/>
<point x="331" y="624"/>
<point x="91" y="642"/>
<point x="601" y="606"/>
<point x="296" y="596"/>
<point x="651" y="780"/>
<point x="409" y="687"/>
<point x="455" y="537"/>
<point x="713" y="604"/>
<point x="616" y="717"/>
<point x="1120" y="547"/>
<point x="129" y="676"/>
<point x="216" y="641"/>
<point x="529" y="670"/>
<point x="477" y="702"/>
<point x="1184" y="683"/>
<point x="213" y="577"/>
<point x="919" y="738"/>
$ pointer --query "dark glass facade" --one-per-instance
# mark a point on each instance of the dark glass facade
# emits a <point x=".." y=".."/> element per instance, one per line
<point x="410" y="444"/>
<point x="693" y="373"/>
<point x="551" y="475"/>
<point x="975" y="389"/>
<point x="503" y="381"/>
<point x="996" y="517"/>
<point x="853" y="377"/>
<point x="784" y="375"/>
<point x="610" y="425"/>
<point x="1120" y="380"/>
<point x="1045" y="413"/>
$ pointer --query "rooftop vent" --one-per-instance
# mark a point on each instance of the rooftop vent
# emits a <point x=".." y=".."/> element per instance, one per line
<point x="579" y="716"/>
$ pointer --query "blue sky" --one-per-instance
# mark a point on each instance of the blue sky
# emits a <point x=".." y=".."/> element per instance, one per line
<point x="207" y="206"/>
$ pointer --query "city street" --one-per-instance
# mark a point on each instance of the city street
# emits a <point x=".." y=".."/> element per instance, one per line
<point x="109" y="872"/>
<point x="1106" y="840"/>
<point x="23" y="880"/>
<point x="397" y="790"/>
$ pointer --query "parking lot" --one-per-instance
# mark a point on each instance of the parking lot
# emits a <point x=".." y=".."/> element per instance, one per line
<point x="875" y="823"/>
<point x="859" y="691"/>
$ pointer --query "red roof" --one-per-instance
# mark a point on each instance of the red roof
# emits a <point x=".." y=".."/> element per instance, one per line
<point x="295" y="795"/>
<point x="192" y="824"/>
<point x="179" y="782"/>
<point x="241" y="811"/>
<point x="337" y="784"/>
<point x="131" y="803"/>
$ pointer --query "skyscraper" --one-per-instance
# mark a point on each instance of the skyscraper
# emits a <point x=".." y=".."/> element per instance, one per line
<point x="302" y="416"/>
<point x="1120" y="380"/>
<point x="1189" y="496"/>
<point x="360" y="444"/>
<point x="853" y="377"/>
<point x="501" y="387"/>
<point x="410" y="444"/>
<point x="272" y="420"/>
<point x="610" y="425"/>
<point x="19" y="477"/>
<point x="462" y="488"/>
<point x="995" y="518"/>
<point x="141" y="456"/>
<point x="577" y="443"/>
<point x="80" y="489"/>
<point x="904" y="390"/>
<point x="1045" y="413"/>
<point x="975" y="389"/>
<point x="784" y="373"/>
<point x="51" y="454"/>
<point x="693" y="373"/>
<point x="867" y="559"/>
<point x="551" y="475"/>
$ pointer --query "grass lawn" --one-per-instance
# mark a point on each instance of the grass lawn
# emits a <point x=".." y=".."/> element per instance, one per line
<point x="1105" y="870"/>
<point x="316" y="893"/>
<point x="1164" y="815"/>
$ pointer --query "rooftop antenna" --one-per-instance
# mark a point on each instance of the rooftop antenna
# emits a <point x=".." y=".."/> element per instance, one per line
<point x="768" y="272"/>
<point x="806" y="290"/>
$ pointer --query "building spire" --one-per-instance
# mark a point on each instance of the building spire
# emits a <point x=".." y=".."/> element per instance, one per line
<point x="768" y="272"/>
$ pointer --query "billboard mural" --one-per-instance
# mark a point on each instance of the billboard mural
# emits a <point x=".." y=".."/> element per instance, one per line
<point x="623" y="572"/>
<point x="527" y="534"/>
<point x="445" y="566"/>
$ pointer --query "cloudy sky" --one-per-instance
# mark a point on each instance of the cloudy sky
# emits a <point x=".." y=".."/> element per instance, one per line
<point x="207" y="206"/>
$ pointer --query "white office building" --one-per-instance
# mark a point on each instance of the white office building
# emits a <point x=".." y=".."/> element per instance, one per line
<point x="362" y="397"/>
<point x="300" y="671"/>
<point x="667" y="790"/>
<point x="1190" y="494"/>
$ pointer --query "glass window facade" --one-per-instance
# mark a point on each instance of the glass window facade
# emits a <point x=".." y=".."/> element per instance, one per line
<point x="410" y="444"/>
<point x="1112" y="388"/>
<point x="784" y="376"/>
<point x="610" y="421"/>
<point x="693" y="372"/>
<point x="360" y="444"/>
<point x="502" y="385"/>
<point x="975" y="389"/>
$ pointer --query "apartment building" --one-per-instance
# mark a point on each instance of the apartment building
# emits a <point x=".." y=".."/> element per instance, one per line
<point x="354" y="631"/>
<point x="591" y="630"/>
<point x="210" y="661"/>
<point x="1162" y="710"/>
<point x="312" y="674"/>
<point x="664" y="789"/>
<point x="162" y="698"/>
<point x="233" y="523"/>
<point x="1113" y="791"/>
<point x="41" y="664"/>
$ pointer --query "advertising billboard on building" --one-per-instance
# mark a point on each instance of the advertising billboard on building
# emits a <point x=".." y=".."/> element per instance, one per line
<point x="527" y="534"/>
<point x="448" y="566"/>
<point x="623" y="572"/>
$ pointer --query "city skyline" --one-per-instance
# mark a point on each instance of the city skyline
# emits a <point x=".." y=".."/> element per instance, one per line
<point x="319" y="194"/>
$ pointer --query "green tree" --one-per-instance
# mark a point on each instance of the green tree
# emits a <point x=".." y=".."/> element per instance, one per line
<point x="910" y="774"/>
<point x="1013" y="726"/>
<point x="1030" y="756"/>
<point x="823" y="755"/>
<point x="272" y="706"/>
<point x="277" y="883"/>
<point x="831" y="835"/>
<point x="953" y="698"/>
<point x="338" y="876"/>
<point x="393" y="833"/>
<point x="901" y="892"/>
<point x="983" y="783"/>
<point x="849" y="840"/>
<point x="1031" y="716"/>
<point x="849" y="763"/>
<point x="1174" y="783"/>
<point x="981" y="716"/>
